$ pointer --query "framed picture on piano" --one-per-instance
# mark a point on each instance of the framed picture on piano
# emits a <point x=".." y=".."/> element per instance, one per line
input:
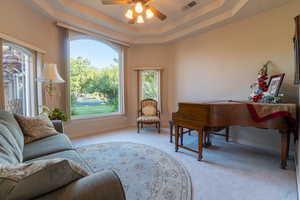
<point x="275" y="84"/>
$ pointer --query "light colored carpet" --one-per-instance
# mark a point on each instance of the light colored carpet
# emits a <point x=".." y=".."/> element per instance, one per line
<point x="228" y="171"/>
<point x="146" y="172"/>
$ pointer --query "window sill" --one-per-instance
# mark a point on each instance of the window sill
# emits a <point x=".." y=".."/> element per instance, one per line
<point x="99" y="117"/>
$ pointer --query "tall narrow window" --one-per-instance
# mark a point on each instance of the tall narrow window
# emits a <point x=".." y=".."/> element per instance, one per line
<point x="95" y="78"/>
<point x="18" y="69"/>
<point x="150" y="84"/>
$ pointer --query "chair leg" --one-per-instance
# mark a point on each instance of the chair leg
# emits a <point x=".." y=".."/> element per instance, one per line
<point x="158" y="127"/>
<point x="138" y="127"/>
<point x="171" y="131"/>
<point x="189" y="131"/>
<point x="142" y="125"/>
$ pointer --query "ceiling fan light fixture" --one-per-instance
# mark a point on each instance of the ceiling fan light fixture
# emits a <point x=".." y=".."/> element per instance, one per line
<point x="140" y="19"/>
<point x="129" y="14"/>
<point x="149" y="13"/>
<point x="139" y="7"/>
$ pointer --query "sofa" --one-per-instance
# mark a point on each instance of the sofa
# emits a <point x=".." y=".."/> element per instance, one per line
<point x="96" y="186"/>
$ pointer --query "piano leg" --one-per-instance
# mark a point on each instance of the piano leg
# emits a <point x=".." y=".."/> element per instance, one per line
<point x="200" y="143"/>
<point x="285" y="144"/>
<point x="176" y="137"/>
<point x="181" y="135"/>
<point x="227" y="133"/>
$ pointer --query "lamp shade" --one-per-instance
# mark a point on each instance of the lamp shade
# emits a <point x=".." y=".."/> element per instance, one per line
<point x="50" y="74"/>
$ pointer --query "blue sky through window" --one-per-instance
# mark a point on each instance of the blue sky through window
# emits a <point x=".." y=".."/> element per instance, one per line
<point x="100" y="54"/>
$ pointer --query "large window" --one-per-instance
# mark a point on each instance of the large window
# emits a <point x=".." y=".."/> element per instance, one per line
<point x="18" y="79"/>
<point x="95" y="78"/>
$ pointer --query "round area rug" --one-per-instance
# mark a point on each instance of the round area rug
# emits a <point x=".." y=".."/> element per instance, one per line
<point x="146" y="172"/>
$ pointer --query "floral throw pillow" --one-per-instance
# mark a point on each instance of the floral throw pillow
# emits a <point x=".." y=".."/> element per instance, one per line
<point x="30" y="180"/>
<point x="35" y="128"/>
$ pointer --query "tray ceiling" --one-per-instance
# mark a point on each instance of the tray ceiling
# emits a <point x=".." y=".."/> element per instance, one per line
<point x="109" y="20"/>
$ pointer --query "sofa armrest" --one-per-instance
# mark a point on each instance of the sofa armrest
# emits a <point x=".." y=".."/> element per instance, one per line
<point x="100" y="186"/>
<point x="58" y="125"/>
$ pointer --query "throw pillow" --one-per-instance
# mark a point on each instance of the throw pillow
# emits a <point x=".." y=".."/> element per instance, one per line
<point x="35" y="128"/>
<point x="30" y="180"/>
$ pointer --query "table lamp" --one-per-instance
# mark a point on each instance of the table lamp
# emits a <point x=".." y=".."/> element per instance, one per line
<point x="50" y="75"/>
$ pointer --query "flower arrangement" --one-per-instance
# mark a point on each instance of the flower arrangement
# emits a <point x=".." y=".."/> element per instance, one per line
<point x="260" y="87"/>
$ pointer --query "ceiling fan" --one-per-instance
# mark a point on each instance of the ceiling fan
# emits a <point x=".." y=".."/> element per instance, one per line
<point x="139" y="10"/>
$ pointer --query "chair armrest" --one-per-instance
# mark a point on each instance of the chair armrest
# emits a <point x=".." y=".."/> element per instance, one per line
<point x="100" y="186"/>
<point x="58" y="125"/>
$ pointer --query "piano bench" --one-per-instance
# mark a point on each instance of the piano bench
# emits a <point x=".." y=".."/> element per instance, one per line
<point x="171" y="124"/>
<point x="211" y="130"/>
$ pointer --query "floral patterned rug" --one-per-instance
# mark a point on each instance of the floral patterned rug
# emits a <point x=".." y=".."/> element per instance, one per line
<point x="146" y="172"/>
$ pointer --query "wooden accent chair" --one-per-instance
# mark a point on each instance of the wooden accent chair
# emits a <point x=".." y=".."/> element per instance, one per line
<point x="148" y="113"/>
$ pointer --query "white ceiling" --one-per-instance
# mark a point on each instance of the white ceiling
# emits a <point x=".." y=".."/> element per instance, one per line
<point x="109" y="20"/>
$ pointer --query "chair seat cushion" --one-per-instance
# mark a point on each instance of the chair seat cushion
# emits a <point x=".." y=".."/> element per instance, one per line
<point x="148" y="119"/>
<point x="45" y="146"/>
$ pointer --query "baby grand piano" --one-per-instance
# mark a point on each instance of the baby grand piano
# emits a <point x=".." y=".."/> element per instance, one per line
<point x="203" y="116"/>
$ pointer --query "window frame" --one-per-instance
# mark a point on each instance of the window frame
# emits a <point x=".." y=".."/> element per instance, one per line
<point x="121" y="53"/>
<point x="139" y="84"/>
<point x="31" y="84"/>
<point x="158" y="86"/>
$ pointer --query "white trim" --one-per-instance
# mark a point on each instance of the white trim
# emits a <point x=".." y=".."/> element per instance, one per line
<point x="97" y="35"/>
<point x="2" y="101"/>
<point x="99" y="116"/>
<point x="297" y="170"/>
<point x="147" y="68"/>
<point x="21" y="43"/>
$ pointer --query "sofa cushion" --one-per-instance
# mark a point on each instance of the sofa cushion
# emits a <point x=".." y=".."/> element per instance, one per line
<point x="9" y="153"/>
<point x="48" y="145"/>
<point x="35" y="128"/>
<point x="104" y="185"/>
<point x="10" y="149"/>
<point x="11" y="138"/>
<point x="70" y="155"/>
<point x="29" y="180"/>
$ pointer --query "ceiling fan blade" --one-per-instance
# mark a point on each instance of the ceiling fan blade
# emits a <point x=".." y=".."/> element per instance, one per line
<point x="147" y="1"/>
<point x="132" y="21"/>
<point x="116" y="2"/>
<point x="157" y="13"/>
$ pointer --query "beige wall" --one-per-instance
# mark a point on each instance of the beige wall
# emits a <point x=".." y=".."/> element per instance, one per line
<point x="20" y="21"/>
<point x="147" y="56"/>
<point x="222" y="63"/>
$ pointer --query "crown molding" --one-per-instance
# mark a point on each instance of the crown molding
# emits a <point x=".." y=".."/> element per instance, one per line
<point x="79" y="15"/>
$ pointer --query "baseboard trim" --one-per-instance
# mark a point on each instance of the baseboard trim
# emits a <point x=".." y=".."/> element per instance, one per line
<point x="78" y="136"/>
<point x="297" y="171"/>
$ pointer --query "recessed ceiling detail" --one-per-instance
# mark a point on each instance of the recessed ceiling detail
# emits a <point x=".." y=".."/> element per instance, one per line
<point x="109" y="20"/>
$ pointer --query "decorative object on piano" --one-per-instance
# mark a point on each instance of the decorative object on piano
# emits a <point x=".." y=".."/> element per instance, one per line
<point x="297" y="50"/>
<point x="275" y="84"/>
<point x="260" y="86"/>
<point x="271" y="99"/>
